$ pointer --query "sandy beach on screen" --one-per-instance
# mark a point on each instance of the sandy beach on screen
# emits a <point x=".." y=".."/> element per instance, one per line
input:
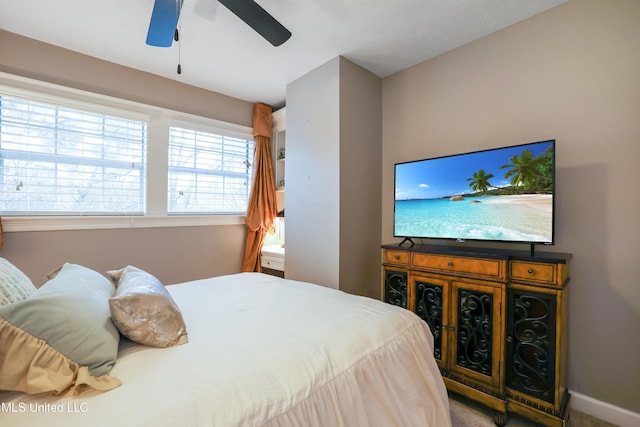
<point x="538" y="201"/>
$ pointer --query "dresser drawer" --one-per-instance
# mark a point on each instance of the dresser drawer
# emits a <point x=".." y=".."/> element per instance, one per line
<point x="272" y="262"/>
<point x="536" y="271"/>
<point x="390" y="256"/>
<point x="461" y="265"/>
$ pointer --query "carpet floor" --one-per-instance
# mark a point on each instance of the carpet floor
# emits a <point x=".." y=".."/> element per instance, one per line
<point x="467" y="413"/>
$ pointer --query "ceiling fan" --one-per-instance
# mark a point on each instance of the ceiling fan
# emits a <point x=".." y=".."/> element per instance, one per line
<point x="164" y="20"/>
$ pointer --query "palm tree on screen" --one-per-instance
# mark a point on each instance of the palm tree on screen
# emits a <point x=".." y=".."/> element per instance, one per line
<point x="480" y="181"/>
<point x="524" y="170"/>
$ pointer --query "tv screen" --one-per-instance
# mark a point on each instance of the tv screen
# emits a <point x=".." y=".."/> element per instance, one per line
<point x="503" y="194"/>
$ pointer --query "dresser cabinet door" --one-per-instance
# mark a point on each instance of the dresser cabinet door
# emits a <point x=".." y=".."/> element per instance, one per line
<point x="431" y="304"/>
<point x="531" y="343"/>
<point x="477" y="349"/>
<point x="395" y="287"/>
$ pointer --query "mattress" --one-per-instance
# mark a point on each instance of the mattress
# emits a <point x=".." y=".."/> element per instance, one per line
<point x="264" y="351"/>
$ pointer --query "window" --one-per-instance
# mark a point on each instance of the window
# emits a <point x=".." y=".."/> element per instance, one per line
<point x="71" y="159"/>
<point x="208" y="173"/>
<point x="62" y="160"/>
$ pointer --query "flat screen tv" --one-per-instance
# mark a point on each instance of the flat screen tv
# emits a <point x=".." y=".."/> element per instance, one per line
<point x="504" y="194"/>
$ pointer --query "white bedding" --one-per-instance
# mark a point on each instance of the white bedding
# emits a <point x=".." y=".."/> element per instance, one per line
<point x="264" y="351"/>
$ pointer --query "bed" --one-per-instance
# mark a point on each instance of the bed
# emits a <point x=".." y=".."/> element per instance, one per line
<point x="263" y="351"/>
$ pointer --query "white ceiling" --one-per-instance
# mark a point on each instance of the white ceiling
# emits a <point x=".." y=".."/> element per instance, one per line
<point x="221" y="53"/>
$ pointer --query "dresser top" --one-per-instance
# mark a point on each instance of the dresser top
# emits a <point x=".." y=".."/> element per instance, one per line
<point x="480" y="252"/>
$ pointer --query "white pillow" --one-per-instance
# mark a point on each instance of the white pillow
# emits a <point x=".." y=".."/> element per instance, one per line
<point x="14" y="284"/>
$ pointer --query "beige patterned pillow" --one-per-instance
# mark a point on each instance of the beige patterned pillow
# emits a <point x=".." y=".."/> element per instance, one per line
<point x="144" y="311"/>
<point x="14" y="284"/>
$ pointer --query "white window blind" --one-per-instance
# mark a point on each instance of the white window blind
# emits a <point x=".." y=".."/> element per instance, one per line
<point x="208" y="173"/>
<point x="60" y="160"/>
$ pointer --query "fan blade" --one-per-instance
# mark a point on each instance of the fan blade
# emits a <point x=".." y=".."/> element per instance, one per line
<point x="258" y="19"/>
<point x="164" y="20"/>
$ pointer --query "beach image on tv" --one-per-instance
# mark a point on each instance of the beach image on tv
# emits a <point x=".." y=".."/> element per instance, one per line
<point x="504" y="194"/>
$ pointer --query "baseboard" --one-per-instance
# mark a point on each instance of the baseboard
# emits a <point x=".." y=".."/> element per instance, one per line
<point x="604" y="411"/>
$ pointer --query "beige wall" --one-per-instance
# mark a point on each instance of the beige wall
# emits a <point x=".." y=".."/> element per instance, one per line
<point x="572" y="73"/>
<point x="174" y="254"/>
<point x="333" y="178"/>
<point x="312" y="176"/>
<point x="30" y="58"/>
<point x="360" y="179"/>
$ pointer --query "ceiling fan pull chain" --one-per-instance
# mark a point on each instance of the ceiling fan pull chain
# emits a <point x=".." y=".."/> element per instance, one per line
<point x="176" y="36"/>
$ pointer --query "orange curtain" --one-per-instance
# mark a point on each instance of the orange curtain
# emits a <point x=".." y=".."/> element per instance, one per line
<point x="262" y="201"/>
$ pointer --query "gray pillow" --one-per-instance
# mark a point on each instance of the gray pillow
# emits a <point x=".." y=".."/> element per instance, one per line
<point x="144" y="311"/>
<point x="14" y="284"/>
<point x="46" y="339"/>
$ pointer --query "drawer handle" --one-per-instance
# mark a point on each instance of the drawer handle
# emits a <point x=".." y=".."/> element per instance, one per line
<point x="397" y="257"/>
<point x="450" y="264"/>
<point x="531" y="271"/>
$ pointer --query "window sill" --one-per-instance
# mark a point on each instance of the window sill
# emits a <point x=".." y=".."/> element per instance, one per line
<point x="16" y="224"/>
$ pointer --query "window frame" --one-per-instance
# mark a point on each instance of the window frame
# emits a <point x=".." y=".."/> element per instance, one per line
<point x="193" y="123"/>
<point x="158" y="122"/>
<point x="77" y="126"/>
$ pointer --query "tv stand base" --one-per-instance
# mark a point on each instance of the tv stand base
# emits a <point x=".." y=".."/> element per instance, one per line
<point x="407" y="239"/>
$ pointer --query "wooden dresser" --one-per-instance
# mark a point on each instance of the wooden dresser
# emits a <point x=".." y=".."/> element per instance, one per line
<point x="499" y="321"/>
